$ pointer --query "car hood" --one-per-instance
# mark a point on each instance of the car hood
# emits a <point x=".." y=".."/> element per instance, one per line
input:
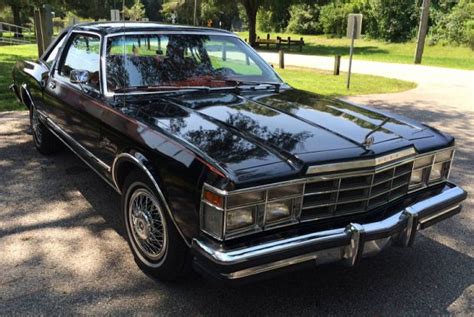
<point x="258" y="134"/>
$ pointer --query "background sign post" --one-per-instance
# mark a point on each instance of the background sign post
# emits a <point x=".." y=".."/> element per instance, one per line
<point x="354" y="28"/>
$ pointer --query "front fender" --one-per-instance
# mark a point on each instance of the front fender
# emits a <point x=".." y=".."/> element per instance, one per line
<point x="141" y="162"/>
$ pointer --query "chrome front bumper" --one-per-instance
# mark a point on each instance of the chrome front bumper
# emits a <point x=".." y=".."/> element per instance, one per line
<point x="347" y="244"/>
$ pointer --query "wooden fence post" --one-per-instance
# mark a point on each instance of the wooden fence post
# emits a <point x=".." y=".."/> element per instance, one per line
<point x="337" y="64"/>
<point x="281" y="56"/>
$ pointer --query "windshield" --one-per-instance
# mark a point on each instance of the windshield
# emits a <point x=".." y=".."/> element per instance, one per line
<point x="169" y="61"/>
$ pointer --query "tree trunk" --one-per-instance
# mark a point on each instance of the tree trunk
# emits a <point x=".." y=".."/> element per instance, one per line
<point x="251" y="8"/>
<point x="252" y="19"/>
<point x="17" y="19"/>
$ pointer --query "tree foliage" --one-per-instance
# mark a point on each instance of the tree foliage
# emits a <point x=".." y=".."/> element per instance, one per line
<point x="136" y="12"/>
<point x="396" y="20"/>
<point x="153" y="9"/>
<point x="453" y="24"/>
<point x="304" y="19"/>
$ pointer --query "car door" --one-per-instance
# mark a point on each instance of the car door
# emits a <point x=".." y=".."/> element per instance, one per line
<point x="75" y="109"/>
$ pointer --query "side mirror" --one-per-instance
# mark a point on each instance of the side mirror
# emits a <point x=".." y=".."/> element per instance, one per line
<point x="79" y="76"/>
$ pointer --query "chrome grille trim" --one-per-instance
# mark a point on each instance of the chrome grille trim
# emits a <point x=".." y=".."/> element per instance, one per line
<point x="325" y="168"/>
<point x="368" y="192"/>
<point x="396" y="182"/>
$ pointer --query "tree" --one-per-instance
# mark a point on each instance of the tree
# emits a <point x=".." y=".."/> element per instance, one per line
<point x="218" y="11"/>
<point x="136" y="12"/>
<point x="152" y="9"/>
<point x="94" y="9"/>
<point x="22" y="9"/>
<point x="251" y="8"/>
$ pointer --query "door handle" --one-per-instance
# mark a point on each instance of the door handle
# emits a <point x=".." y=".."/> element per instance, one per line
<point x="52" y="84"/>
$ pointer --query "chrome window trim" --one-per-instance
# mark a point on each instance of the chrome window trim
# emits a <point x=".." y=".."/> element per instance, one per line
<point x="54" y="67"/>
<point x="407" y="157"/>
<point x="103" y="77"/>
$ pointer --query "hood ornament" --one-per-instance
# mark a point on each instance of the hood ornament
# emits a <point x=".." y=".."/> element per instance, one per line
<point x="369" y="139"/>
<point x="368" y="142"/>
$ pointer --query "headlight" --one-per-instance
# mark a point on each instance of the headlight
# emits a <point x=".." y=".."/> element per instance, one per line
<point x="424" y="161"/>
<point x="439" y="171"/>
<point x="212" y="220"/>
<point x="285" y="191"/>
<point x="279" y="210"/>
<point x="240" y="218"/>
<point x="444" y="156"/>
<point x="227" y="215"/>
<point x="431" y="168"/>
<point x="245" y="199"/>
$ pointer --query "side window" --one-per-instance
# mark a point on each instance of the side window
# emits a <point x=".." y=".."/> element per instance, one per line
<point x="82" y="52"/>
<point x="49" y="59"/>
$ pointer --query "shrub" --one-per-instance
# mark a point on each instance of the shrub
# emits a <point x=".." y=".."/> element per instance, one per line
<point x="333" y="18"/>
<point x="456" y="26"/>
<point x="304" y="19"/>
<point x="264" y="21"/>
<point x="392" y="20"/>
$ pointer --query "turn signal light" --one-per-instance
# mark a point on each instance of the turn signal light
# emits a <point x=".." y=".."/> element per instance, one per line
<point x="214" y="199"/>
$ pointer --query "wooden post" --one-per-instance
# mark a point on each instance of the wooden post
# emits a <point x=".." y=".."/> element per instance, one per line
<point x="38" y="31"/>
<point x="337" y="64"/>
<point x="43" y="27"/>
<point x="268" y="41"/>
<point x="47" y="25"/>
<point x="224" y="51"/>
<point x="301" y="44"/>
<point x="281" y="56"/>
<point x="420" y="44"/>
<point x="289" y="43"/>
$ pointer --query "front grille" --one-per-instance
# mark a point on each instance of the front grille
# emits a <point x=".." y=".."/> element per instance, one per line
<point x="354" y="194"/>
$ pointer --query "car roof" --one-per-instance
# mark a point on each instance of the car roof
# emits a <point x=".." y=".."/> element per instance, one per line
<point x="121" y="26"/>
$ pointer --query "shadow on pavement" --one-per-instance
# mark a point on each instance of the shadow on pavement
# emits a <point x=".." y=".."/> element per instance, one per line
<point x="62" y="250"/>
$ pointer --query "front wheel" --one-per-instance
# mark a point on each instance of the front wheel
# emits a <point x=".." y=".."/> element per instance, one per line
<point x="45" y="142"/>
<point x="156" y="245"/>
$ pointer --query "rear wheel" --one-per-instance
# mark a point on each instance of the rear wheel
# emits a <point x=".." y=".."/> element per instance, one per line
<point x="45" y="142"/>
<point x="156" y="244"/>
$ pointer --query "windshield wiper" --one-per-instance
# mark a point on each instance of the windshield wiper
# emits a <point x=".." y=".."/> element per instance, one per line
<point x="255" y="84"/>
<point x="161" y="89"/>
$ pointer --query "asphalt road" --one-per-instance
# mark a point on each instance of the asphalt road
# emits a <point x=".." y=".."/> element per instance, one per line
<point x="62" y="249"/>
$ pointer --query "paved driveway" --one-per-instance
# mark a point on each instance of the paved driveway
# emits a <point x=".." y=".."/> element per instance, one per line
<point x="436" y="85"/>
<point x="62" y="249"/>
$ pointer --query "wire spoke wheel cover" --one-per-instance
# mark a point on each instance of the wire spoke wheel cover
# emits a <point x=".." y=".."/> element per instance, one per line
<point x="147" y="225"/>
<point x="36" y="126"/>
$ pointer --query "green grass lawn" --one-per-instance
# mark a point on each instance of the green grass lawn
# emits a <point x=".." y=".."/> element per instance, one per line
<point x="374" y="50"/>
<point x="325" y="83"/>
<point x="321" y="82"/>
<point x="8" y="56"/>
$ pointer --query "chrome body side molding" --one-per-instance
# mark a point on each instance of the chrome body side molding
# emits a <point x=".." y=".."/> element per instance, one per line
<point x="64" y="137"/>
<point x="69" y="138"/>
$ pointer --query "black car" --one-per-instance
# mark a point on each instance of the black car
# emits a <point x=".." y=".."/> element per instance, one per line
<point x="220" y="164"/>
